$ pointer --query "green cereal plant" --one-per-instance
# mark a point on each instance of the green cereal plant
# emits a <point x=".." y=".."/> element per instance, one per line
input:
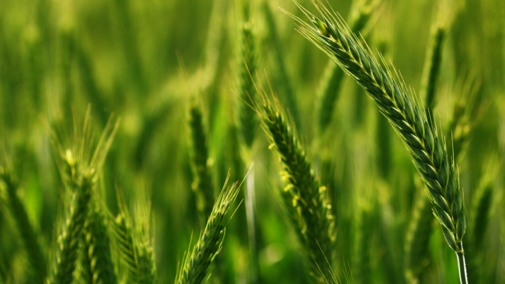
<point x="289" y="94"/>
<point x="306" y="200"/>
<point x="418" y="238"/>
<point x="123" y="243"/>
<point x="98" y="264"/>
<point x="363" y="246"/>
<point x="247" y="63"/>
<point x="146" y="261"/>
<point x="404" y="112"/>
<point x="202" y="184"/>
<point x="466" y="113"/>
<point x="132" y="239"/>
<point x="419" y="232"/>
<point x="329" y="86"/>
<point x="481" y="210"/>
<point x="27" y="232"/>
<point x="80" y="165"/>
<point x="195" y="263"/>
<point x="432" y="65"/>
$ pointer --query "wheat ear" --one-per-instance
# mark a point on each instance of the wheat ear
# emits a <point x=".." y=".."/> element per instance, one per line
<point x="68" y="241"/>
<point x="285" y="82"/>
<point x="399" y="105"/>
<point x="432" y="66"/>
<point x="79" y="167"/>
<point x="307" y="202"/>
<point x="202" y="184"/>
<point x="329" y="87"/>
<point x="420" y="229"/>
<point x="97" y="250"/>
<point x="195" y="263"/>
<point x="28" y="236"/>
<point x="247" y="62"/>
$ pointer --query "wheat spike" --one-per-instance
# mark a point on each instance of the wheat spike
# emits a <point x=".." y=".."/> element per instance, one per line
<point x="307" y="202"/>
<point x="400" y="106"/>
<point x="195" y="264"/>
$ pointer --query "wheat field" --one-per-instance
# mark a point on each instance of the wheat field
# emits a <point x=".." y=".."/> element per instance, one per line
<point x="252" y="141"/>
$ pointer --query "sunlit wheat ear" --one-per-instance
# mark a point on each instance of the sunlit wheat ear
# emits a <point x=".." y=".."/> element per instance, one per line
<point x="196" y="261"/>
<point x="80" y="163"/>
<point x="306" y="200"/>
<point x="401" y="107"/>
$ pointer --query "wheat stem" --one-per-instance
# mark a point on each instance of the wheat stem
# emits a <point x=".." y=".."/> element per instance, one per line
<point x="462" y="268"/>
<point x="432" y="66"/>
<point x="28" y="235"/>
<point x="246" y="88"/>
<point x="202" y="185"/>
<point x="307" y="201"/>
<point x="285" y="82"/>
<point x="329" y="87"/>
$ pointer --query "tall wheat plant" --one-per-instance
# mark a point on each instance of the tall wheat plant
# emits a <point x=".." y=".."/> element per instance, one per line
<point x="401" y="107"/>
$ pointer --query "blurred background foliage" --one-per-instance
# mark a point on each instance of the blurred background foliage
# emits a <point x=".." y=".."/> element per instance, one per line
<point x="150" y="61"/>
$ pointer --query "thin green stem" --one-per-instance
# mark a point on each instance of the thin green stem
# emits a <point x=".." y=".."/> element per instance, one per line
<point x="462" y="268"/>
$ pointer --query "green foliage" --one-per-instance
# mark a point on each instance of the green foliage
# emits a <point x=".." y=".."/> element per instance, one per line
<point x="58" y="205"/>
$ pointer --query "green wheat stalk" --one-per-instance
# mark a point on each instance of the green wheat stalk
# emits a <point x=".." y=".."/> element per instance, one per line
<point x="195" y="263"/>
<point x="331" y="81"/>
<point x="123" y="244"/>
<point x="399" y="105"/>
<point x="134" y="244"/>
<point x="202" y="185"/>
<point x="432" y="65"/>
<point x="97" y="250"/>
<point x="247" y="62"/>
<point x="307" y="202"/>
<point x="79" y="167"/>
<point x="419" y="232"/>
<point x="285" y="82"/>
<point x="363" y="246"/>
<point x="144" y="248"/>
<point x="418" y="238"/>
<point x="28" y="234"/>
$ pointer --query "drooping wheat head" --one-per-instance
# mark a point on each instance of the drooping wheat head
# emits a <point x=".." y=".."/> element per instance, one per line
<point x="307" y="202"/>
<point x="400" y="106"/>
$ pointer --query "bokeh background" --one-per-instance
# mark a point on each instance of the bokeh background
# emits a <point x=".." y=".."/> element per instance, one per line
<point x="149" y="61"/>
